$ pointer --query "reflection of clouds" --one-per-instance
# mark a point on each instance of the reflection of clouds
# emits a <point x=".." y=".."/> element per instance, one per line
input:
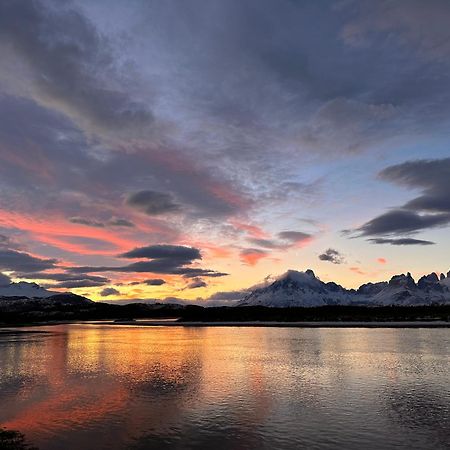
<point x="230" y="387"/>
<point x="86" y="378"/>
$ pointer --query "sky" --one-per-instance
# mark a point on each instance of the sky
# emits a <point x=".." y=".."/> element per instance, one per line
<point x="191" y="149"/>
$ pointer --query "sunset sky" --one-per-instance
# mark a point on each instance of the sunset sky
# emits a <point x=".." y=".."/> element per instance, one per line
<point x="190" y="149"/>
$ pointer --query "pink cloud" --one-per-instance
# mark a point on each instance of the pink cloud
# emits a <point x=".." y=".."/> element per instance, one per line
<point x="251" y="256"/>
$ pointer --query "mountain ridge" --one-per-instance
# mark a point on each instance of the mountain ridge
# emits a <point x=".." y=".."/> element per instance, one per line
<point x="304" y="289"/>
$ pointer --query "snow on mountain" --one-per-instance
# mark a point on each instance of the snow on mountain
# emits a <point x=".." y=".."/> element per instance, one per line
<point x="24" y="289"/>
<point x="304" y="289"/>
<point x="298" y="289"/>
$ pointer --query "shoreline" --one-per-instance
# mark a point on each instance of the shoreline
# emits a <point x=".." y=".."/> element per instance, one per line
<point x="324" y="324"/>
<point x="268" y="324"/>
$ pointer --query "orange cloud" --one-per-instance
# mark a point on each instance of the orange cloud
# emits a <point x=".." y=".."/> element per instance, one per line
<point x="252" y="230"/>
<point x="381" y="260"/>
<point x="357" y="270"/>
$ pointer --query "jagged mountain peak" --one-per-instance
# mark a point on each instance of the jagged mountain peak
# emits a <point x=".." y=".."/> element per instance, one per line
<point x="295" y="288"/>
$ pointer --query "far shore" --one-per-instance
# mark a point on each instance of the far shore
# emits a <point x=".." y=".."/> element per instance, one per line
<point x="177" y="323"/>
<point x="325" y="324"/>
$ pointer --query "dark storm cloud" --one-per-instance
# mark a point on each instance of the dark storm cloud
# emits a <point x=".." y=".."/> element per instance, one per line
<point x="152" y="202"/>
<point x="109" y="291"/>
<point x="400" y="241"/>
<point x="333" y="256"/>
<point x="23" y="262"/>
<point x="4" y="280"/>
<point x="178" y="252"/>
<point x="70" y="63"/>
<point x="429" y="210"/>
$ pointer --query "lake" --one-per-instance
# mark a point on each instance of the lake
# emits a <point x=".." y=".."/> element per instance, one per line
<point x="90" y="386"/>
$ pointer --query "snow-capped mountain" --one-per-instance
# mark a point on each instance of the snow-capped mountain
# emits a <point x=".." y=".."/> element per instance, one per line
<point x="23" y="296"/>
<point x="305" y="289"/>
<point x="402" y="290"/>
<point x="24" y="289"/>
<point x="299" y="289"/>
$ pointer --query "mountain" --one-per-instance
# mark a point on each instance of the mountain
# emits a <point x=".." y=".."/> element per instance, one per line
<point x="304" y="289"/>
<point x="55" y="301"/>
<point x="24" y="289"/>
<point x="298" y="289"/>
<point x="32" y="299"/>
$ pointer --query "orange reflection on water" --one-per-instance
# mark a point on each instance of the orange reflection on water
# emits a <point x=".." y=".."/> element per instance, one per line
<point x="131" y="383"/>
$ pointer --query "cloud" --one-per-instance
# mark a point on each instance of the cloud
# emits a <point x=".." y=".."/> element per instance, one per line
<point x="432" y="176"/>
<point x="4" y="280"/>
<point x="267" y="243"/>
<point x="119" y="222"/>
<point x="228" y="296"/>
<point x="4" y="241"/>
<point x="152" y="203"/>
<point x="87" y="222"/>
<point x="400" y="241"/>
<point x="349" y="126"/>
<point x="70" y="64"/>
<point x="406" y="23"/>
<point x="381" y="260"/>
<point x="429" y="210"/>
<point x="296" y="237"/>
<point x="75" y="284"/>
<point x="154" y="282"/>
<point x="164" y="251"/>
<point x="109" y="291"/>
<point x="286" y="240"/>
<point x="251" y="256"/>
<point x="196" y="283"/>
<point x="114" y="222"/>
<point x="23" y="262"/>
<point x="61" y="276"/>
<point x="401" y="221"/>
<point x="158" y="259"/>
<point x="66" y="280"/>
<point x="332" y="256"/>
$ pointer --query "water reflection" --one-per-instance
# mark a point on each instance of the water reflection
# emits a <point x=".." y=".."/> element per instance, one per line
<point x="140" y="387"/>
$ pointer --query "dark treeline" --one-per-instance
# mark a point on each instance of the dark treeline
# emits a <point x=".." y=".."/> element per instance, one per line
<point x="13" y="440"/>
<point x="33" y="313"/>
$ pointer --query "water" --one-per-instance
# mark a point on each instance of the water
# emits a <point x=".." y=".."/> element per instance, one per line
<point x="128" y="387"/>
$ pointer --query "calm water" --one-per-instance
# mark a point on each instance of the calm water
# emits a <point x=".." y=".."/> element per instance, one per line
<point x="116" y="387"/>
